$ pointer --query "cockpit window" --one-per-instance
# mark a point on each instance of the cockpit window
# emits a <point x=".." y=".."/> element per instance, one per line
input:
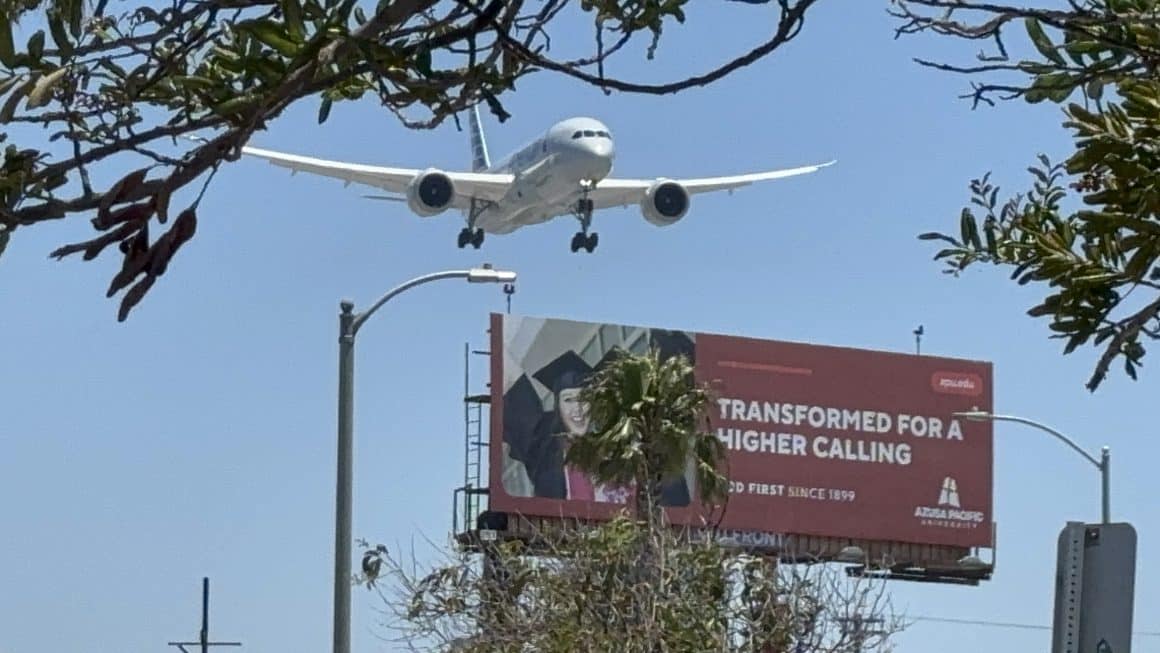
<point x="591" y="133"/>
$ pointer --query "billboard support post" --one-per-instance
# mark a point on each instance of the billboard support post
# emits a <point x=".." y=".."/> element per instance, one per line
<point x="1103" y="464"/>
<point x="349" y="323"/>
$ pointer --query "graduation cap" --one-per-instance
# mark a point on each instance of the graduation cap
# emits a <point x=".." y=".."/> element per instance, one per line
<point x="567" y="370"/>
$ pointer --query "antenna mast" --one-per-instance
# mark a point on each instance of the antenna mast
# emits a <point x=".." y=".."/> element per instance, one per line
<point x="203" y="634"/>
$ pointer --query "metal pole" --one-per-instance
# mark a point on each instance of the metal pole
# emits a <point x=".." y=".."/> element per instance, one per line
<point x="1104" y="464"/>
<point x="1106" y="480"/>
<point x="342" y="512"/>
<point x="205" y="615"/>
<point x="349" y="323"/>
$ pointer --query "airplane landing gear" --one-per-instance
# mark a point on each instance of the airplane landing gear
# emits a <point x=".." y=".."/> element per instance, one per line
<point x="583" y="239"/>
<point x="470" y="235"/>
<point x="473" y="237"/>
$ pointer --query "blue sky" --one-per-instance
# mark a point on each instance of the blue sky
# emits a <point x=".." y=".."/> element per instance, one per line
<point x="197" y="439"/>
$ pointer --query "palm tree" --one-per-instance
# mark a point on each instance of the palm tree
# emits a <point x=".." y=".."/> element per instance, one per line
<point x="649" y="419"/>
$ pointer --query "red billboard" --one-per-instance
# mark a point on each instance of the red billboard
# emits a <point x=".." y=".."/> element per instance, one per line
<point x="821" y="440"/>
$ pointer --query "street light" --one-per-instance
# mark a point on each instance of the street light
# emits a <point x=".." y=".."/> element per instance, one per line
<point x="1103" y="464"/>
<point x="349" y="324"/>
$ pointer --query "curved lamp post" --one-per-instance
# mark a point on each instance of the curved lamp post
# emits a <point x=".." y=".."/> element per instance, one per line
<point x="349" y="324"/>
<point x="1103" y="464"/>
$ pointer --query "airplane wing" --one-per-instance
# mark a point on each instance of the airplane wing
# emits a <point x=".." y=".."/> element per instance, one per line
<point x="623" y="192"/>
<point x="468" y="185"/>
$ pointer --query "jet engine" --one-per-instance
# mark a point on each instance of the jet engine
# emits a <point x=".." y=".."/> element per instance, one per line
<point x="430" y="193"/>
<point x="664" y="203"/>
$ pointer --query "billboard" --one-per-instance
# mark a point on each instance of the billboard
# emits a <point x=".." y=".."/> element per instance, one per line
<point x="821" y="440"/>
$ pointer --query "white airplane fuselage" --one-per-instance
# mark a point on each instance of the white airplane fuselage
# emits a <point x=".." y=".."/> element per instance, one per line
<point x="550" y="174"/>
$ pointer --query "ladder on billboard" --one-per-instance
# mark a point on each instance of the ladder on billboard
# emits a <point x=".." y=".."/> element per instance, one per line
<point x="474" y="443"/>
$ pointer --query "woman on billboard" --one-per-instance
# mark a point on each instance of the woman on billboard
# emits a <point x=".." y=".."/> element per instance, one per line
<point x="545" y="443"/>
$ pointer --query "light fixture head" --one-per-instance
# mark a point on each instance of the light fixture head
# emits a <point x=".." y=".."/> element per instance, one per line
<point x="486" y="274"/>
<point x="975" y="415"/>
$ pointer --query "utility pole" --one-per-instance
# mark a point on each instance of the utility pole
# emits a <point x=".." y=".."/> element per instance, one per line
<point x="918" y="340"/>
<point x="203" y="634"/>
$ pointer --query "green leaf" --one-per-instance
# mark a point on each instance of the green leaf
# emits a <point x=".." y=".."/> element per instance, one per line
<point x="1095" y="89"/>
<point x="970" y="229"/>
<point x="5" y="236"/>
<point x="235" y="104"/>
<point x="324" y="110"/>
<point x="423" y="62"/>
<point x="1042" y="42"/>
<point x="59" y="35"/>
<point x="36" y="45"/>
<point x="7" y="47"/>
<point x="1076" y="49"/>
<point x="931" y="235"/>
<point x="1140" y="262"/>
<point x="9" y="108"/>
<point x="7" y="84"/>
<point x="76" y="13"/>
<point x="270" y="33"/>
<point x="1034" y="96"/>
<point x="1056" y="86"/>
<point x="195" y="83"/>
<point x="292" y="11"/>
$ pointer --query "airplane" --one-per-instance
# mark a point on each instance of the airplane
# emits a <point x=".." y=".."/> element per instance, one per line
<point x="565" y="171"/>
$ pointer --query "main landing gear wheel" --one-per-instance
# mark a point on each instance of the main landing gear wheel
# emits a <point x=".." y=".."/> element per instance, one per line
<point x="470" y="237"/>
<point x="583" y="239"/>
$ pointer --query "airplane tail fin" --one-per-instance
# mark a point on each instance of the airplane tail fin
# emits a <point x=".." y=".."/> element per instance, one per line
<point x="479" y="158"/>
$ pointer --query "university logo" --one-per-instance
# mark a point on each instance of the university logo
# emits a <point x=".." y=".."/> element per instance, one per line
<point x="949" y="496"/>
<point x="948" y="511"/>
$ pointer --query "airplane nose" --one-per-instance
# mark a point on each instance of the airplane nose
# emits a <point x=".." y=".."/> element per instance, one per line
<point x="602" y="148"/>
<point x="602" y="154"/>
